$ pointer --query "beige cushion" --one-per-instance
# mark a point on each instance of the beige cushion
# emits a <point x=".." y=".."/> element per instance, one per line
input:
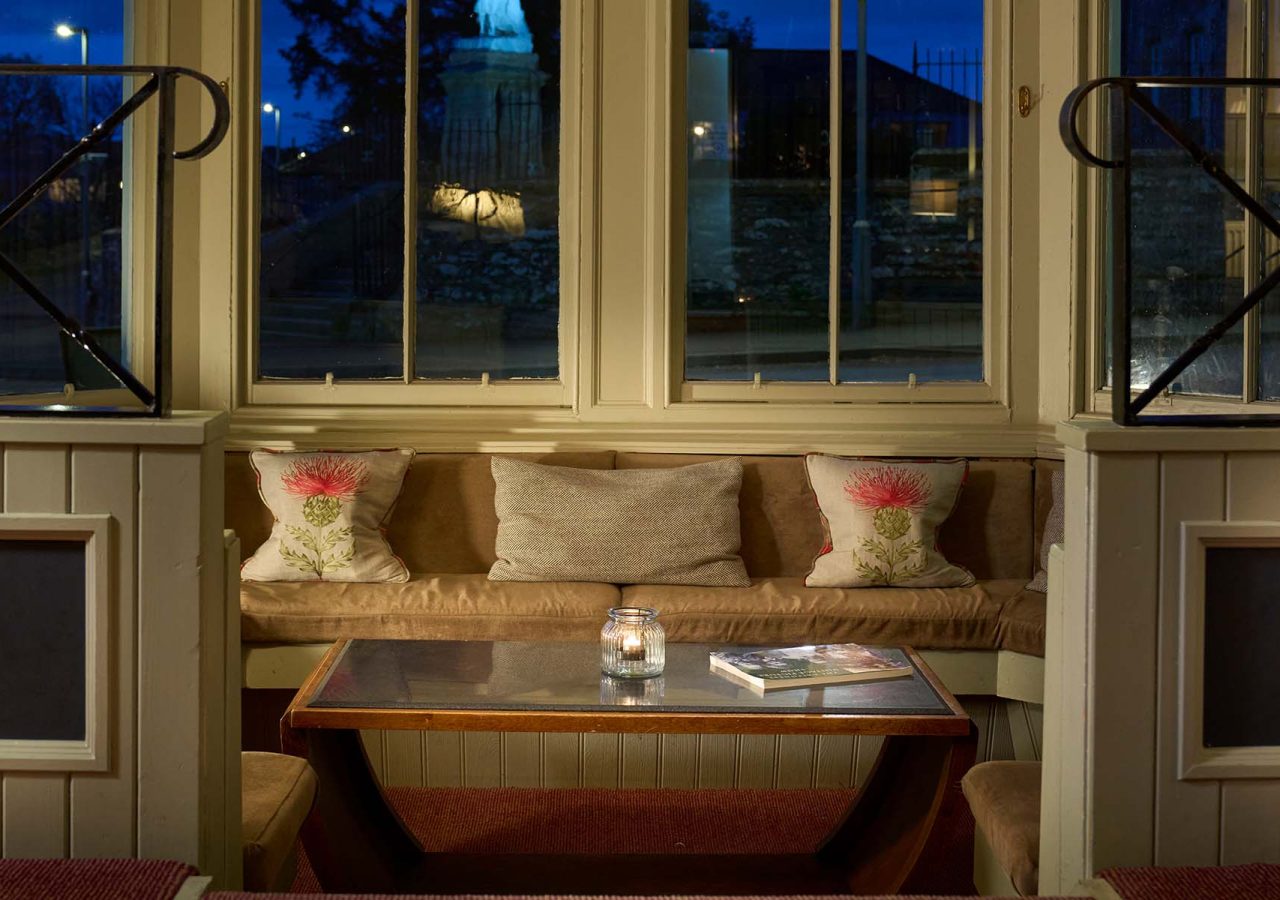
<point x="443" y="522"/>
<point x="329" y="509"/>
<point x="1022" y="623"/>
<point x="1005" y="799"/>
<point x="657" y="526"/>
<point x="427" y="607"/>
<point x="882" y="518"/>
<point x="783" y="611"/>
<point x="276" y="793"/>
<point x="989" y="533"/>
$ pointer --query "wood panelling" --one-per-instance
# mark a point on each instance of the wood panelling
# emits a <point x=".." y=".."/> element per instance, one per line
<point x="172" y="787"/>
<point x="37" y="806"/>
<point x="1112" y="793"/>
<point x="1249" y="829"/>
<point x="1191" y="487"/>
<point x="449" y="759"/>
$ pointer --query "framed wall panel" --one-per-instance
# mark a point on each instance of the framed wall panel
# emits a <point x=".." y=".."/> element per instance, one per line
<point x="55" y="636"/>
<point x="1227" y="679"/>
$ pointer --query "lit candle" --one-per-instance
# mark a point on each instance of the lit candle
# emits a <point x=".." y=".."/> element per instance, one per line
<point x="632" y="647"/>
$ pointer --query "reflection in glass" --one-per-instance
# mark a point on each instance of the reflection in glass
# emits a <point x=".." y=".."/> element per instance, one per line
<point x="332" y="190"/>
<point x="70" y="240"/>
<point x="1186" y="237"/>
<point x="757" y="144"/>
<point x="911" y="206"/>
<point x="1269" y="317"/>
<point x="488" y="249"/>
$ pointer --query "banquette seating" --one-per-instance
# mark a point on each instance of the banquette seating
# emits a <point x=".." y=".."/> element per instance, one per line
<point x="984" y="639"/>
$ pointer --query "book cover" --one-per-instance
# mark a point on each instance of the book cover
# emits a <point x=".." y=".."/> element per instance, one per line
<point x="812" y="664"/>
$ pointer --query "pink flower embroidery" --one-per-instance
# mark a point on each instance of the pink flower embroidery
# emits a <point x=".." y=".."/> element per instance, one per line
<point x="339" y="477"/>
<point x="886" y="486"/>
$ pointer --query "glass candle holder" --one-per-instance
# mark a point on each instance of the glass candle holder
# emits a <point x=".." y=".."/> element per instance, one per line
<point x="632" y="643"/>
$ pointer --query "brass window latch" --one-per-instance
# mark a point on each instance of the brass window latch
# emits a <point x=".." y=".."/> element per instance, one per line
<point x="1024" y="101"/>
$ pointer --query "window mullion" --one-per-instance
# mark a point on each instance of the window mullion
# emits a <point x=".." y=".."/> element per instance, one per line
<point x="835" y="132"/>
<point x="1254" y="251"/>
<point x="410" y="325"/>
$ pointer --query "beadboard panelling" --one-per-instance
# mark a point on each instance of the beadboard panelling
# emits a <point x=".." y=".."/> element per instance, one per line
<point x="172" y="786"/>
<point x="1121" y="613"/>
<point x="474" y="759"/>
<point x="37" y="806"/>
<point x="1192" y="487"/>
<point x="1249" y="830"/>
<point x="103" y="804"/>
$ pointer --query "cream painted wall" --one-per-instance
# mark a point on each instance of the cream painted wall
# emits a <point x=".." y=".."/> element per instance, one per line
<point x="1115" y="796"/>
<point x="625" y="394"/>
<point x="170" y="786"/>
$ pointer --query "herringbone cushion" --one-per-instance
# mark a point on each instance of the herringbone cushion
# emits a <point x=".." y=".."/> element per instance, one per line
<point x="638" y="526"/>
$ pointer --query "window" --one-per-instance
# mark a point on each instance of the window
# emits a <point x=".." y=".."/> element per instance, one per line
<point x="894" y="291"/>
<point x="71" y="241"/>
<point x="1194" y="251"/>
<point x="442" y="264"/>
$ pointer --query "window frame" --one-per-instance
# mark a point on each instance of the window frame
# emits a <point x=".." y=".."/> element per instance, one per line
<point x="996" y="225"/>
<point x="1103" y="59"/>
<point x="409" y="390"/>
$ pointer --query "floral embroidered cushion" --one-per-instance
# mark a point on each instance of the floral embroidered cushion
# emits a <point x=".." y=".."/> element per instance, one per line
<point x="329" y="510"/>
<point x="881" y="519"/>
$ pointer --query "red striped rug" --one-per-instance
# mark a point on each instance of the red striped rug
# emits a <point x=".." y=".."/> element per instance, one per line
<point x="597" y="820"/>
<point x="92" y="879"/>
<point x="1252" y="882"/>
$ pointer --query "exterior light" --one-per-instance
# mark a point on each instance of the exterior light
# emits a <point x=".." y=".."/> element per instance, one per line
<point x="63" y="30"/>
<point x="699" y="130"/>
<point x="346" y="129"/>
<point x="268" y="108"/>
<point x="302" y="154"/>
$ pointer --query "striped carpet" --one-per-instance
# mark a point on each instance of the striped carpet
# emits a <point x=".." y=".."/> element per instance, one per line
<point x="596" y="820"/>
<point x="91" y="879"/>
<point x="1251" y="882"/>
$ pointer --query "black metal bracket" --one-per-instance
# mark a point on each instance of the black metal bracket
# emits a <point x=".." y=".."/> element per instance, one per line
<point x="161" y="83"/>
<point x="1126" y="94"/>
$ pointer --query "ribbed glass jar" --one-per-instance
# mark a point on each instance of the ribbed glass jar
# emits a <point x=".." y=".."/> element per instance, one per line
<point x="632" y="643"/>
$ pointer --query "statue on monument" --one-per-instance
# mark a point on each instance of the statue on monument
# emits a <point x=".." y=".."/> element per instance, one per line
<point x="502" y="27"/>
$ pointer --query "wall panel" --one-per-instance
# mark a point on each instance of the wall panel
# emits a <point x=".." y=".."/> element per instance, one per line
<point x="37" y="806"/>
<point x="171" y="785"/>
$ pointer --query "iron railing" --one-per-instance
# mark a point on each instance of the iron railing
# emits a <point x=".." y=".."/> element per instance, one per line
<point x="162" y="84"/>
<point x="1126" y="94"/>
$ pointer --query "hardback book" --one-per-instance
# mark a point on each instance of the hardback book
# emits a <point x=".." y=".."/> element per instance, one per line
<point x="813" y="664"/>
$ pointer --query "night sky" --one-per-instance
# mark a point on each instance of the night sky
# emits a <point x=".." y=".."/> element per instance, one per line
<point x="893" y="26"/>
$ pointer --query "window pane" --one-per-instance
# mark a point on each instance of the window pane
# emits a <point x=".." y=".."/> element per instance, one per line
<point x="1269" y="357"/>
<point x="1187" y="237"/>
<point x="911" y="192"/>
<point x="488" y="249"/>
<point x="70" y="240"/>
<point x="758" y="213"/>
<point x="332" y="217"/>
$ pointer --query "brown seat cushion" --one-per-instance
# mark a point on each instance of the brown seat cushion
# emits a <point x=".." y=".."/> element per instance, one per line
<point x="427" y="607"/>
<point x="1022" y="622"/>
<point x="1005" y="799"/>
<point x="784" y="611"/>
<point x="276" y="795"/>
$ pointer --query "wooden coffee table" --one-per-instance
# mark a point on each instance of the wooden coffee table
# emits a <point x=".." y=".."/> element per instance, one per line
<point x="356" y="842"/>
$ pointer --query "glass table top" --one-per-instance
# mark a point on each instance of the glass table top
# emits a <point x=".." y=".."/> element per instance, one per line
<point x="547" y="676"/>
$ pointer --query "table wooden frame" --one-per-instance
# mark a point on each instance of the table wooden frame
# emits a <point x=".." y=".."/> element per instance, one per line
<point x="357" y="842"/>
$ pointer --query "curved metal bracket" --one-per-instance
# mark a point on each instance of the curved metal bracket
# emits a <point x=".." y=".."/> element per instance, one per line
<point x="161" y="81"/>
<point x="221" y="106"/>
<point x="1133" y="96"/>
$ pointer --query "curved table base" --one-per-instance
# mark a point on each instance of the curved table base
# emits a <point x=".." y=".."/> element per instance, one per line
<point x="355" y="841"/>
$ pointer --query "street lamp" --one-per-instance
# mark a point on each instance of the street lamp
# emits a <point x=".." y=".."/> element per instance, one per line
<point x="64" y="31"/>
<point x="270" y="108"/>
